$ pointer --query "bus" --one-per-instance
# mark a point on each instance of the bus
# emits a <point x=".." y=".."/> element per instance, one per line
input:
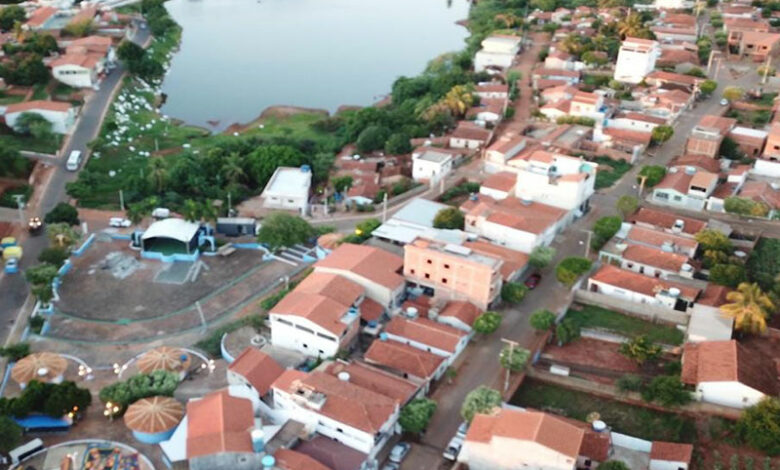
<point x="23" y="451"/>
<point x="74" y="160"/>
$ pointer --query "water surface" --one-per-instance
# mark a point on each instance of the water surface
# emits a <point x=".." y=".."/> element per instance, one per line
<point x="238" y="57"/>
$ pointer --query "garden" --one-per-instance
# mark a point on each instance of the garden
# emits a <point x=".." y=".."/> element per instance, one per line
<point x="590" y="316"/>
<point x="610" y="171"/>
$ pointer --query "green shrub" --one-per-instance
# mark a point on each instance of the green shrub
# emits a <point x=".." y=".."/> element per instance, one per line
<point x="604" y="229"/>
<point x="570" y="269"/>
<point x="629" y="383"/>
<point x="513" y="292"/>
<point x="159" y="382"/>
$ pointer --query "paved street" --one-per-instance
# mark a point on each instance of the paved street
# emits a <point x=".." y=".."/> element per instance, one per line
<point x="13" y="289"/>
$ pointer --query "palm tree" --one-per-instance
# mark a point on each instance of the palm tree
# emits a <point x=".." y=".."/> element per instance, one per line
<point x="158" y="172"/>
<point x="208" y="211"/>
<point x="631" y="26"/>
<point x="232" y="170"/>
<point x="749" y="308"/>
<point x="459" y="99"/>
<point x="191" y="211"/>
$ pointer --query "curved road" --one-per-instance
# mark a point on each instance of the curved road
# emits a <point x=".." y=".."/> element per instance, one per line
<point x="13" y="288"/>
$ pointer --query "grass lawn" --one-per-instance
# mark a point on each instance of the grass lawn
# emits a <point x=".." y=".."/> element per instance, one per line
<point x="29" y="143"/>
<point x="596" y="317"/>
<point x="751" y="118"/>
<point x="63" y="89"/>
<point x="610" y="171"/>
<point x="40" y="92"/>
<point x="297" y="127"/>
<point x="635" y="421"/>
<point x="10" y="99"/>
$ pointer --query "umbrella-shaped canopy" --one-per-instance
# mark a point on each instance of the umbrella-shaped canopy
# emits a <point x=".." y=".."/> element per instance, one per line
<point x="42" y="366"/>
<point x="153" y="415"/>
<point x="164" y="358"/>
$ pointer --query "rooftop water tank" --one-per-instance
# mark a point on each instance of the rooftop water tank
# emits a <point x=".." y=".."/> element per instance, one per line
<point x="258" y="441"/>
<point x="343" y="376"/>
<point x="599" y="426"/>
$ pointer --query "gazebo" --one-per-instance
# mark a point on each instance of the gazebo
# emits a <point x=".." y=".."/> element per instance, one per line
<point x="171" y="236"/>
<point x="165" y="358"/>
<point x="42" y="366"/>
<point x="153" y="420"/>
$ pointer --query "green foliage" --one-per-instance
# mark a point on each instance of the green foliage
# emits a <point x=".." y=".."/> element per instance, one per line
<point x="50" y="399"/>
<point x="25" y="69"/>
<point x="341" y="183"/>
<point x="281" y="229"/>
<point x="211" y="344"/>
<point x="270" y="302"/>
<point x="570" y="269"/>
<point x="10" y="433"/>
<point x="745" y="206"/>
<point x="613" y="465"/>
<point x="541" y="256"/>
<point x="627" y="205"/>
<point x="513" y="292"/>
<point x="63" y="213"/>
<point x="480" y="400"/>
<point x="416" y="415"/>
<point x="708" y="87"/>
<point x="33" y="124"/>
<point x="759" y="426"/>
<point x="372" y="138"/>
<point x="629" y="383"/>
<point x="653" y="173"/>
<point x="567" y="331"/>
<point x="733" y="93"/>
<point x="156" y="383"/>
<point x="730" y="275"/>
<point x="610" y="171"/>
<point x="459" y="190"/>
<point x="514" y="359"/>
<point x="36" y="324"/>
<point x="712" y="239"/>
<point x="487" y="323"/>
<point x="666" y="390"/>
<point x="730" y="149"/>
<point x="662" y="134"/>
<point x="15" y="351"/>
<point x="9" y="15"/>
<point x="449" y="218"/>
<point x="12" y="164"/>
<point x="542" y="320"/>
<point x="8" y="197"/>
<point x="591" y="316"/>
<point x="604" y="229"/>
<point x="764" y="264"/>
<point x="398" y="144"/>
<point x="578" y="120"/>
<point x="79" y="29"/>
<point x="640" y="350"/>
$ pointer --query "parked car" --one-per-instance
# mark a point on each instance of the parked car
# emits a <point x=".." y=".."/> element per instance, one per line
<point x="453" y="448"/>
<point x="462" y="430"/>
<point x="533" y="280"/>
<point x="724" y="102"/>
<point x="35" y="225"/>
<point x="399" y="452"/>
<point x="119" y="222"/>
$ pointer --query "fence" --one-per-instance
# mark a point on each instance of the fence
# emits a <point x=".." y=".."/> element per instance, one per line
<point x="630" y="442"/>
<point x="650" y="312"/>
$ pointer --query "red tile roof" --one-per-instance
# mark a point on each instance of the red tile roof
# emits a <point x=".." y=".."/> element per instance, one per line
<point x="656" y="238"/>
<point x="502" y="181"/>
<point x="531" y="217"/>
<point x="425" y="331"/>
<point x="666" y="220"/>
<point x="469" y="131"/>
<point x="258" y="368"/>
<point x="316" y="308"/>
<point x="370" y="310"/>
<point x="640" y="283"/>
<point x="464" y="311"/>
<point x="371" y="263"/>
<point x="288" y="459"/>
<point x="655" y="257"/>
<point x="40" y="16"/>
<point x="364" y="375"/>
<point x="541" y="428"/>
<point x="722" y="124"/>
<point x="403" y="358"/>
<point x="37" y="105"/>
<point x="671" y="452"/>
<point x="728" y="361"/>
<point x="218" y="423"/>
<point x="337" y="287"/>
<point x="514" y="260"/>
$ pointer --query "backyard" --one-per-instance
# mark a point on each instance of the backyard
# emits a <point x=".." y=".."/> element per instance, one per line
<point x="632" y="420"/>
<point x="610" y="171"/>
<point x="590" y="316"/>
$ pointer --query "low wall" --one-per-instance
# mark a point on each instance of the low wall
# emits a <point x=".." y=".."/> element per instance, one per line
<point x="653" y="313"/>
<point x="172" y="258"/>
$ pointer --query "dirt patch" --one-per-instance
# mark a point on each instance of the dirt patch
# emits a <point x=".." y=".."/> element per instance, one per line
<point x="277" y="112"/>
<point x="592" y="356"/>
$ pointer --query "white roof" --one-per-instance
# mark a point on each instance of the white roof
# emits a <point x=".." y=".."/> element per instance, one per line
<point x="433" y="156"/>
<point x="177" y="229"/>
<point x="419" y="212"/>
<point x="288" y="181"/>
<point x="708" y="324"/>
<point x="746" y="131"/>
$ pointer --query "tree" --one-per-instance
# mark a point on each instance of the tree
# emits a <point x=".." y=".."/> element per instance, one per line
<point x="480" y="400"/>
<point x="9" y="16"/>
<point x="459" y="99"/>
<point x="662" y="133"/>
<point x="281" y="229"/>
<point x="627" y="205"/>
<point x="640" y="350"/>
<point x="159" y="382"/>
<point x="667" y="390"/>
<point x="487" y="323"/>
<point x="63" y="213"/>
<point x="729" y="275"/>
<point x="449" y="218"/>
<point x="653" y="175"/>
<point x="341" y="183"/>
<point x="40" y="278"/>
<point x="398" y="144"/>
<point x="63" y="235"/>
<point x="15" y="351"/>
<point x="730" y="149"/>
<point x="33" y="124"/>
<point x="570" y="269"/>
<point x="613" y="465"/>
<point x="629" y="383"/>
<point x="712" y="239"/>
<point x="632" y="26"/>
<point x="190" y="210"/>
<point x="541" y="256"/>
<point x="158" y="172"/>
<point x="10" y="434"/>
<point x="416" y="415"/>
<point x="232" y="170"/>
<point x="365" y="228"/>
<point x="604" y="229"/>
<point x="130" y="52"/>
<point x="745" y="206"/>
<point x="12" y="163"/>
<point x="707" y="87"/>
<point x="54" y="256"/>
<point x="542" y="320"/>
<point x="513" y="292"/>
<point x="372" y="138"/>
<point x="733" y="93"/>
<point x="759" y="426"/>
<point x="25" y="69"/>
<point x="567" y="331"/>
<point x="514" y="358"/>
<point x="79" y="29"/>
<point x="749" y="307"/>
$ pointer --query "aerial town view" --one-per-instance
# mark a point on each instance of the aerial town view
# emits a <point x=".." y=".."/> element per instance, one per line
<point x="390" y="234"/>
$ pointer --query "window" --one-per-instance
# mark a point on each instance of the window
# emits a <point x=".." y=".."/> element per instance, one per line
<point x="444" y="280"/>
<point x="678" y="198"/>
<point x="661" y="196"/>
<point x="411" y="271"/>
<point x="339" y="430"/>
<point x="446" y="266"/>
<point x="284" y="322"/>
<point x="427" y="276"/>
<point x="429" y="261"/>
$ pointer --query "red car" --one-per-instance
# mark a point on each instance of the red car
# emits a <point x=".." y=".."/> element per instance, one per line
<point x="533" y="280"/>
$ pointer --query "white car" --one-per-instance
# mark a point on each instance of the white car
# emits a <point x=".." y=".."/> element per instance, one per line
<point x="399" y="452"/>
<point x="453" y="448"/>
<point x="119" y="222"/>
<point x="724" y="102"/>
<point x="462" y="430"/>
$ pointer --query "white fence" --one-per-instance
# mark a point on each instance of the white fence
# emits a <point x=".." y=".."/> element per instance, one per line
<point x="646" y="311"/>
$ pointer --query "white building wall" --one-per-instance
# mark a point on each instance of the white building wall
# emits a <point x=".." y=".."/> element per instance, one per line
<point x="286" y="332"/>
<point x="567" y="195"/>
<point x="513" y="454"/>
<point x="494" y="193"/>
<point x="484" y="59"/>
<point x="667" y="465"/>
<point x="449" y="357"/>
<point x="733" y="394"/>
<point x="676" y="199"/>
<point x="431" y="171"/>
<point x="633" y="66"/>
<point x="506" y="236"/>
<point x="464" y="143"/>
<point x="766" y="168"/>
<point x="75" y="75"/>
<point x="388" y="298"/>
<point x="631" y="124"/>
<point x="61" y="123"/>
<point x="647" y="270"/>
<point x="630" y="296"/>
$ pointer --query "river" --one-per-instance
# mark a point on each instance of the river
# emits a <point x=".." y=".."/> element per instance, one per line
<point x="238" y="57"/>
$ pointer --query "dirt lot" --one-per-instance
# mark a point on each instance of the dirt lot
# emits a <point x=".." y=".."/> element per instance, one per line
<point x="586" y="354"/>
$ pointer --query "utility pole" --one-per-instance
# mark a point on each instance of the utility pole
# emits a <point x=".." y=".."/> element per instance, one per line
<point x="512" y="345"/>
<point x="121" y="200"/>
<point x="642" y="180"/>
<point x="20" y="206"/>
<point x="384" y="208"/>
<point x="766" y="68"/>
<point x="587" y="243"/>
<point x="709" y="61"/>
<point x="325" y="206"/>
